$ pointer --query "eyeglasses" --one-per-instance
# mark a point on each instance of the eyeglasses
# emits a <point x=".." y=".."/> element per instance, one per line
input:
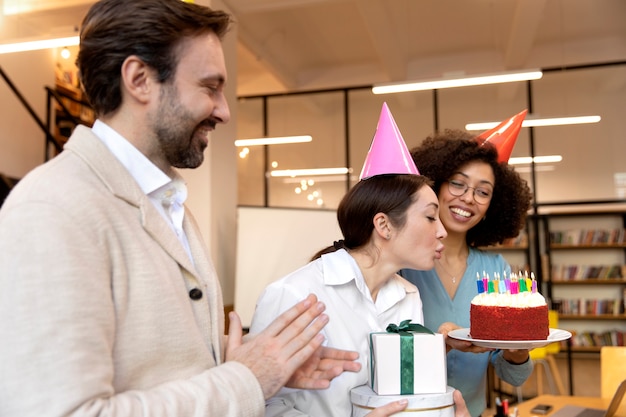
<point x="458" y="188"/>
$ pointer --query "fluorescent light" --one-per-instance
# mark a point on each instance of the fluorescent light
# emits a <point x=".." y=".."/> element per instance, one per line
<point x="273" y="141"/>
<point x="34" y="45"/>
<point x="546" y="159"/>
<point x="325" y="178"/>
<point x="308" y="172"/>
<point x="503" y="77"/>
<point x="555" y="121"/>
<point x="540" y="168"/>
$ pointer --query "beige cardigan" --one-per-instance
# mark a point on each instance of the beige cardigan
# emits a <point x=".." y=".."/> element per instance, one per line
<point x="95" y="313"/>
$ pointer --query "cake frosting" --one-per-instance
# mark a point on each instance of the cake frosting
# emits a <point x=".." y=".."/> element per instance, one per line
<point x="508" y="309"/>
<point x="520" y="300"/>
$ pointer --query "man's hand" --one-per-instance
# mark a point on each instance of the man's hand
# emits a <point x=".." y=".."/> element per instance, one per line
<point x="325" y="364"/>
<point x="284" y="346"/>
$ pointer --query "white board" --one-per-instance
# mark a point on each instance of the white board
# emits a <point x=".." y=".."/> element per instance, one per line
<point x="273" y="242"/>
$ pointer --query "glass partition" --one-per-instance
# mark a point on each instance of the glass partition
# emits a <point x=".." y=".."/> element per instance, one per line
<point x="342" y="123"/>
<point x="594" y="164"/>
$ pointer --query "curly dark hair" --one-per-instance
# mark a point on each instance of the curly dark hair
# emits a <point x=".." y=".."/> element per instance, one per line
<point x="441" y="155"/>
<point x="113" y="30"/>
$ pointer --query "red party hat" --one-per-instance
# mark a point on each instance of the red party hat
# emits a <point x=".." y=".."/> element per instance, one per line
<point x="388" y="153"/>
<point x="504" y="135"/>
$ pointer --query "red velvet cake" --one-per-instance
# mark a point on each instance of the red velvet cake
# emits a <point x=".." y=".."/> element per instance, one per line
<point x="509" y="311"/>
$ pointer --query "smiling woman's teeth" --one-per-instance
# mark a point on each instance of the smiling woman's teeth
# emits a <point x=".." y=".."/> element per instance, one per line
<point x="461" y="212"/>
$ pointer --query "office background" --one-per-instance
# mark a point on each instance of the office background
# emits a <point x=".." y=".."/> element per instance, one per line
<point x="306" y="67"/>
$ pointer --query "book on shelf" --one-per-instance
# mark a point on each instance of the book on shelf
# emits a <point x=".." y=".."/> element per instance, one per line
<point x="595" y="339"/>
<point x="588" y="306"/>
<point x="587" y="237"/>
<point x="582" y="272"/>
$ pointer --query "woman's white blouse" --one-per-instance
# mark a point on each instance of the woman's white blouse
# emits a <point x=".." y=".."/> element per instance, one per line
<point x="337" y="281"/>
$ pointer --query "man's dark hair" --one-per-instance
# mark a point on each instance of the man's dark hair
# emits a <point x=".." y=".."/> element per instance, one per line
<point x="152" y="30"/>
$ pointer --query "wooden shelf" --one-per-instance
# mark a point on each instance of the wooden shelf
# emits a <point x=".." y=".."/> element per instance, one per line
<point x="556" y="246"/>
<point x="592" y="317"/>
<point x="589" y="281"/>
<point x="498" y="248"/>
<point x="586" y="349"/>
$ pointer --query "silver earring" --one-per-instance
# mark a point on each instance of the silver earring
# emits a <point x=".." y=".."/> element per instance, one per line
<point x="388" y="236"/>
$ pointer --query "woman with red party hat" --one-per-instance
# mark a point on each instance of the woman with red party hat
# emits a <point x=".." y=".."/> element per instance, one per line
<point x="482" y="201"/>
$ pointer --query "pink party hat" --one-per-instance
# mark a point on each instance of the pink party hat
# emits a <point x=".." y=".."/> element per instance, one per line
<point x="504" y="135"/>
<point x="388" y="153"/>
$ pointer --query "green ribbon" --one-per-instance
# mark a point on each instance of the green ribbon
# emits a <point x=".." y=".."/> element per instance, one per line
<point x="406" y="329"/>
<point x="407" y="326"/>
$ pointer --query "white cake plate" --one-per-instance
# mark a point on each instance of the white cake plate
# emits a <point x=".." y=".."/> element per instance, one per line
<point x="556" y="335"/>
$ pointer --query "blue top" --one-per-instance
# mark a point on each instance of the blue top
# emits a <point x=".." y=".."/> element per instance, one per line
<point x="466" y="371"/>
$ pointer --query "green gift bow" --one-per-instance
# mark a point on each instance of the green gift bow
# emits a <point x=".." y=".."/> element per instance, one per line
<point x="405" y="329"/>
<point x="407" y="326"/>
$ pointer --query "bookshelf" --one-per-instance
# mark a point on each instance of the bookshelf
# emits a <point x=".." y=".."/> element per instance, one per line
<point x="584" y="268"/>
<point x="515" y="250"/>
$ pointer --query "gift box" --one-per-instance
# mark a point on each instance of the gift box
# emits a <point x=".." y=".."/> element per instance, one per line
<point x="364" y="400"/>
<point x="407" y="359"/>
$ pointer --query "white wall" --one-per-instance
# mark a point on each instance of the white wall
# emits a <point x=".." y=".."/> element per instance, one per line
<point x="22" y="142"/>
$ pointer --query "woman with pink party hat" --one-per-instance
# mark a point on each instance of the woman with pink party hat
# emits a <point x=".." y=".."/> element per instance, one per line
<point x="482" y="201"/>
<point x="387" y="218"/>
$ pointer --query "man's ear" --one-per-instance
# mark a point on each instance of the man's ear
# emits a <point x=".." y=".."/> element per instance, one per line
<point x="137" y="79"/>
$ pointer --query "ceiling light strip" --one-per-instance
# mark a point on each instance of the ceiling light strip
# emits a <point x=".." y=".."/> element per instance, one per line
<point x="308" y="172"/>
<point x="273" y="140"/>
<point x="555" y="121"/>
<point x="34" y="45"/>
<point x="544" y="159"/>
<point x="503" y="77"/>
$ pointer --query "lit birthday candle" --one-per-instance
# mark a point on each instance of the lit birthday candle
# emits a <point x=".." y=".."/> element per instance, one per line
<point x="507" y="282"/>
<point x="502" y="286"/>
<point x="528" y="281"/>
<point x="480" y="284"/>
<point x="522" y="284"/>
<point x="485" y="281"/>
<point x="534" y="284"/>
<point x="514" y="285"/>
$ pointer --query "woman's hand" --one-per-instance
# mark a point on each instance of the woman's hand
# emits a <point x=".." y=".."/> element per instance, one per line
<point x="460" y="409"/>
<point x="516" y="356"/>
<point x="461" y="345"/>
<point x="389" y="409"/>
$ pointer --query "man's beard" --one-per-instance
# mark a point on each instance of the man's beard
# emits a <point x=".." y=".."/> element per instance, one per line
<point x="176" y="132"/>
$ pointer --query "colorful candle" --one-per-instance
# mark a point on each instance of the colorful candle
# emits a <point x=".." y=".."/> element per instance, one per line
<point x="522" y="285"/>
<point x="485" y="281"/>
<point x="480" y="284"/>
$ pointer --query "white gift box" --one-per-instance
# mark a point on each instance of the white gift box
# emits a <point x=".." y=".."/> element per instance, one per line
<point x="364" y="400"/>
<point x="425" y="368"/>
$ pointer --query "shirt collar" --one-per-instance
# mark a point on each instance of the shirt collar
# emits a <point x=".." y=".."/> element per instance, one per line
<point x="340" y="268"/>
<point x="149" y="177"/>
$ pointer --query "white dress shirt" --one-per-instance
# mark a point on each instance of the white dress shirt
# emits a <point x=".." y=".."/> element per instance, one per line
<point x="338" y="282"/>
<point x="167" y="194"/>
